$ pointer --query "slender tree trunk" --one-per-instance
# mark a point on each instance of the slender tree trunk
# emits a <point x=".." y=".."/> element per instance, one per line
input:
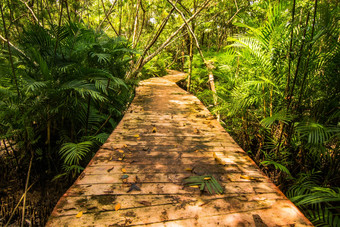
<point x="59" y="24"/>
<point x="120" y="18"/>
<point x="49" y="12"/>
<point x="142" y="60"/>
<point x="308" y="57"/>
<point x="26" y="188"/>
<point x="107" y="16"/>
<point x="68" y="11"/>
<point x="135" y="23"/>
<point x="298" y="62"/>
<point x="143" y="21"/>
<point x="290" y="51"/>
<point x="209" y="66"/>
<point x="32" y="12"/>
<point x="183" y="55"/>
<point x="10" y="52"/>
<point x="271" y="102"/>
<point x="264" y="102"/>
<point x="289" y="56"/>
<point x="87" y="114"/>
<point x="190" y="64"/>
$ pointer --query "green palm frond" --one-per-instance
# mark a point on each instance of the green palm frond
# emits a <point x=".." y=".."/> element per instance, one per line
<point x="276" y="165"/>
<point x="73" y="153"/>
<point x="100" y="57"/>
<point x="315" y="133"/>
<point x="277" y="117"/>
<point x="318" y="195"/>
<point x="323" y="216"/>
<point x="204" y="182"/>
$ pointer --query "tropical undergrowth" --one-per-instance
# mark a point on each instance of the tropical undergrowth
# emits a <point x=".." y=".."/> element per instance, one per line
<point x="278" y="95"/>
<point x="61" y="99"/>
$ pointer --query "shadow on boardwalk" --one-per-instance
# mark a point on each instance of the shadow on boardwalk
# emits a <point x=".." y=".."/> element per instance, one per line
<point x="167" y="135"/>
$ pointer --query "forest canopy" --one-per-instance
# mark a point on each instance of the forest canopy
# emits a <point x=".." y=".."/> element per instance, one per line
<point x="268" y="70"/>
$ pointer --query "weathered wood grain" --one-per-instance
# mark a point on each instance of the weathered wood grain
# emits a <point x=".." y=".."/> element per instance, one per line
<point x="166" y="135"/>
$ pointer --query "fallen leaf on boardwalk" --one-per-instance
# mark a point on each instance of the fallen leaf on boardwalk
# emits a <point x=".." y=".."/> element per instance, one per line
<point x="136" y="135"/>
<point x="109" y="170"/>
<point x="197" y="150"/>
<point x="110" y="158"/>
<point x="250" y="178"/>
<point x="197" y="131"/>
<point x="219" y="160"/>
<point x="125" y="176"/>
<point x="154" y="130"/>
<point x="138" y="138"/>
<point x="121" y="151"/>
<point x="188" y="169"/>
<point x="134" y="187"/>
<point x="247" y="177"/>
<point x="124" y="170"/>
<point x="79" y="214"/>
<point x="145" y="203"/>
<point x="121" y="158"/>
<point x="194" y="186"/>
<point x="125" y="145"/>
<point x="117" y="207"/>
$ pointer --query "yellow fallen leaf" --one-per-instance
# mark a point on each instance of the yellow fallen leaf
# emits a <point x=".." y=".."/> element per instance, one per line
<point x="110" y="158"/>
<point x="117" y="207"/>
<point x="79" y="214"/>
<point x="154" y="130"/>
<point x="124" y="145"/>
<point x="136" y="135"/>
<point x="194" y="186"/>
<point x="188" y="169"/>
<point x="247" y="177"/>
<point x="124" y="170"/>
<point x="207" y="178"/>
<point x="121" y="151"/>
<point x="138" y="138"/>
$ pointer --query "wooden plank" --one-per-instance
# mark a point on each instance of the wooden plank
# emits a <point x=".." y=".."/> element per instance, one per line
<point x="187" y="141"/>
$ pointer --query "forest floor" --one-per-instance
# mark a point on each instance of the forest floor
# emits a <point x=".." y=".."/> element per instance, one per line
<point x="137" y="176"/>
<point x="40" y="200"/>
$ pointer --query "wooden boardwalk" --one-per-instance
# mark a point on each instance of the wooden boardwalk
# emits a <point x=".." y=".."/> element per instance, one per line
<point x="166" y="135"/>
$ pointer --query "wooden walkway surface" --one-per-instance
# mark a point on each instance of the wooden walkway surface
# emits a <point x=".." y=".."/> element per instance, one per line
<point x="167" y="135"/>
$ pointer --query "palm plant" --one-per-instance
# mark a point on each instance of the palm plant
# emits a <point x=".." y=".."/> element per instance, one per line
<point x="64" y="70"/>
<point x="272" y="103"/>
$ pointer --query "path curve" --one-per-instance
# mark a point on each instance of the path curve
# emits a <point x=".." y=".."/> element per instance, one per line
<point x="166" y="135"/>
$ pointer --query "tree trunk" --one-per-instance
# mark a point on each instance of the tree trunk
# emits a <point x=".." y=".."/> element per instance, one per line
<point x="142" y="61"/>
<point x="209" y="66"/>
<point x="135" y="23"/>
<point x="10" y="52"/>
<point x="107" y="17"/>
<point x="190" y="64"/>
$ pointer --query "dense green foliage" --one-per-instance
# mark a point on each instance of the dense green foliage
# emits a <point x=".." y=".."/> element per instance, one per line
<point x="290" y="126"/>
<point x="71" y="93"/>
<point x="70" y="69"/>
